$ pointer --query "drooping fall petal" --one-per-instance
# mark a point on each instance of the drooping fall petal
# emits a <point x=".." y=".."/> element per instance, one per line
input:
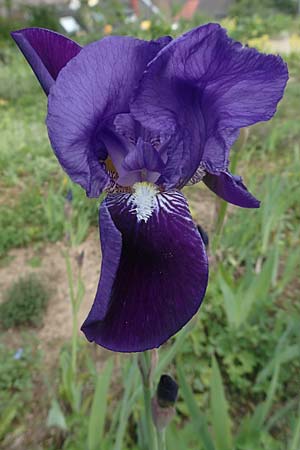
<point x="232" y="189"/>
<point x="162" y="273"/>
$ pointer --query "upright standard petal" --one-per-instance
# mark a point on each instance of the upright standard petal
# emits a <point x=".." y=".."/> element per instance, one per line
<point x="46" y="51"/>
<point x="162" y="273"/>
<point x="232" y="189"/>
<point x="209" y="86"/>
<point x="95" y="86"/>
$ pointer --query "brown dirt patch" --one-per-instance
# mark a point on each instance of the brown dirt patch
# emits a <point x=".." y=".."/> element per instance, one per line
<point x="202" y="205"/>
<point x="57" y="322"/>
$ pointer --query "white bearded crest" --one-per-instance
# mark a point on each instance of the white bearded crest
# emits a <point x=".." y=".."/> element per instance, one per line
<point x="143" y="200"/>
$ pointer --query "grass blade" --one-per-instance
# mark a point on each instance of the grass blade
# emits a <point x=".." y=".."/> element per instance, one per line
<point x="198" y="419"/>
<point x="220" y="417"/>
<point x="295" y="443"/>
<point x="56" y="417"/>
<point x="125" y="411"/>
<point x="98" y="410"/>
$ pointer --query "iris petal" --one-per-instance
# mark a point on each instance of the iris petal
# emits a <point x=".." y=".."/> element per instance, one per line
<point x="46" y="51"/>
<point x="208" y="87"/>
<point x="145" y="159"/>
<point x="111" y="244"/>
<point x="89" y="92"/>
<point x="161" y="277"/>
<point x="231" y="189"/>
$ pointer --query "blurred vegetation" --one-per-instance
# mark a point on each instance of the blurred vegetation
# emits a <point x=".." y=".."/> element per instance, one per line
<point x="263" y="7"/>
<point x="24" y="303"/>
<point x="246" y="344"/>
<point x="18" y="372"/>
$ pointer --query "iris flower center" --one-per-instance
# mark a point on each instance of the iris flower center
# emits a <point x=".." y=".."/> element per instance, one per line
<point x="143" y="199"/>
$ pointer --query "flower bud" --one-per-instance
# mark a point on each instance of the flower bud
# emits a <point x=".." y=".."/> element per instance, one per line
<point x="69" y="196"/>
<point x="163" y="402"/>
<point x="68" y="209"/>
<point x="79" y="259"/>
<point x="167" y="391"/>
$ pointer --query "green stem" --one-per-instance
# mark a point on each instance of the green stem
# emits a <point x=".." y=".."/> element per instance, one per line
<point x="161" y="440"/>
<point x="149" y="424"/>
<point x="74" y="315"/>
<point x="74" y="343"/>
<point x="145" y="373"/>
<point x="166" y="359"/>
<point x="75" y="308"/>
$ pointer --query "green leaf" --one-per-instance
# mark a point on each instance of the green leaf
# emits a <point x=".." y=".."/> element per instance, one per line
<point x="56" y="417"/>
<point x="290" y="353"/>
<point x="295" y="443"/>
<point x="281" y="413"/>
<point x="219" y="408"/>
<point x="231" y="305"/>
<point x="7" y="416"/>
<point x="168" y="355"/>
<point x="130" y="378"/>
<point x="258" y="287"/>
<point x="291" y="267"/>
<point x="252" y="427"/>
<point x="98" y="410"/>
<point x="198" y="419"/>
<point x="177" y="438"/>
<point x="263" y="410"/>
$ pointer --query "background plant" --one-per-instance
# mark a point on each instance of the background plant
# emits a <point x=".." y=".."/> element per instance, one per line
<point x="25" y="302"/>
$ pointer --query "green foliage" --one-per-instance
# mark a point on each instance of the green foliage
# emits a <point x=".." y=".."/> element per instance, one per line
<point x="38" y="216"/>
<point x="219" y="410"/>
<point x="198" y="419"/>
<point x="255" y="25"/>
<point x="25" y="303"/>
<point x="262" y="7"/>
<point x="56" y="417"/>
<point x="22" y="223"/>
<point x="295" y="440"/>
<point x="17" y="371"/>
<point x="254" y="428"/>
<point x="84" y="418"/>
<point x="250" y="315"/>
<point x="81" y="407"/>
<point x="99" y="408"/>
<point x="6" y="26"/>
<point x="45" y="16"/>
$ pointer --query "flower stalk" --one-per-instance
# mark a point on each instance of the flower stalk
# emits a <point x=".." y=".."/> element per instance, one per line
<point x="161" y="440"/>
<point x="76" y="293"/>
<point x="145" y="365"/>
<point x="163" y="407"/>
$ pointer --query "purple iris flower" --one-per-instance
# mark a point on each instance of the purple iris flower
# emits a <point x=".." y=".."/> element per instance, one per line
<point x="139" y="120"/>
